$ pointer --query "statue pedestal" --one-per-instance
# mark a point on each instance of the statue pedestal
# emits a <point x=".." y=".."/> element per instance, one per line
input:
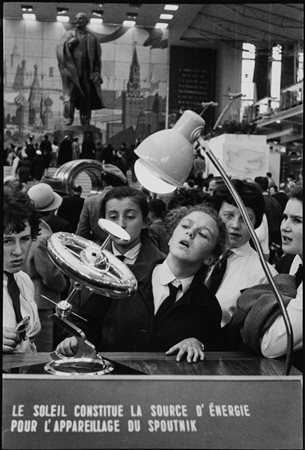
<point x="91" y="132"/>
<point x="80" y="131"/>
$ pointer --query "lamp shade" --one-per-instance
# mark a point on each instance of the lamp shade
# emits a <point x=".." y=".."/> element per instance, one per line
<point x="167" y="155"/>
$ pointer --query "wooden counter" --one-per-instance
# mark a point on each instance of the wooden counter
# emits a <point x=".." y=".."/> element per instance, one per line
<point x="215" y="363"/>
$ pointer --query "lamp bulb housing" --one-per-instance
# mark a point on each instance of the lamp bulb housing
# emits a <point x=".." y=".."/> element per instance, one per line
<point x="168" y="154"/>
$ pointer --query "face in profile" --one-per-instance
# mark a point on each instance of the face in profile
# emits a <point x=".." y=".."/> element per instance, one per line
<point x="292" y="228"/>
<point x="213" y="184"/>
<point x="194" y="238"/>
<point x="16" y="247"/>
<point x="127" y="213"/>
<point x="238" y="233"/>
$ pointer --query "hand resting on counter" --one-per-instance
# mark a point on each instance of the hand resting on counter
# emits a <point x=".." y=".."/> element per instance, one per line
<point x="191" y="348"/>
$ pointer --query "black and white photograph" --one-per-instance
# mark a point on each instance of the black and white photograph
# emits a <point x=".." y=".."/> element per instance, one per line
<point x="152" y="225"/>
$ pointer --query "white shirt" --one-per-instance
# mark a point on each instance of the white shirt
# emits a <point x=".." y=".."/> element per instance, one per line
<point x="243" y="270"/>
<point x="130" y="256"/>
<point x="262" y="233"/>
<point x="55" y="148"/>
<point x="14" y="167"/>
<point x="161" y="277"/>
<point x="295" y="265"/>
<point x="274" y="341"/>
<point x="28" y="307"/>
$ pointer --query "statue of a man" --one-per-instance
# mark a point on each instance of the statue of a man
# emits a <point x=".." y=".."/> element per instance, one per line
<point x="79" y="62"/>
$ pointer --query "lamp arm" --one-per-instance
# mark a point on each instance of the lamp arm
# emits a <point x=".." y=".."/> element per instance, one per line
<point x="203" y="146"/>
<point x="205" y="106"/>
<point x="233" y="99"/>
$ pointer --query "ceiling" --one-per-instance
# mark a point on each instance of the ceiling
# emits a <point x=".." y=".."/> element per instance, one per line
<point x="194" y="24"/>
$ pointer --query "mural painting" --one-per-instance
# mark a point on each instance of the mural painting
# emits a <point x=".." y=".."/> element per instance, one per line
<point x="134" y="72"/>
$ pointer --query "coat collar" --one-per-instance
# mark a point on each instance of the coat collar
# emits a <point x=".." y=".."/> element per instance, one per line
<point x="197" y="292"/>
<point x="167" y="276"/>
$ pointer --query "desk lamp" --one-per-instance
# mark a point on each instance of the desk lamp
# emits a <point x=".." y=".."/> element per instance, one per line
<point x="165" y="161"/>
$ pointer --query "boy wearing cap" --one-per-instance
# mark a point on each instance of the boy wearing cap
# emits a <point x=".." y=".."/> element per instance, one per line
<point x="88" y="226"/>
<point x="47" y="202"/>
<point x="47" y="278"/>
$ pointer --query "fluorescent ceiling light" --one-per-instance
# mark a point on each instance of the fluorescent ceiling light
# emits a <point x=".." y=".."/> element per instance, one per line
<point x="161" y="25"/>
<point x="97" y="13"/>
<point x="166" y="16"/>
<point x="129" y="23"/>
<point x="132" y="16"/>
<point x="62" y="18"/>
<point x="29" y="16"/>
<point x="62" y="10"/>
<point x="26" y="8"/>
<point x="171" y="7"/>
<point x="62" y="15"/>
<point x="96" y="20"/>
<point x="27" y="12"/>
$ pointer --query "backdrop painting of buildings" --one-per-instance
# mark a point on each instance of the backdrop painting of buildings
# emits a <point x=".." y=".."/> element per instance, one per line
<point x="134" y="72"/>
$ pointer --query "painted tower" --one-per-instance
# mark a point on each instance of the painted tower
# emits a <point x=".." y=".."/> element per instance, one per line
<point x="35" y="100"/>
<point x="133" y="85"/>
<point x="133" y="100"/>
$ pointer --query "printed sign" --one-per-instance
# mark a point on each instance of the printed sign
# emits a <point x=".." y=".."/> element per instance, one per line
<point x="151" y="412"/>
<point x="192" y="80"/>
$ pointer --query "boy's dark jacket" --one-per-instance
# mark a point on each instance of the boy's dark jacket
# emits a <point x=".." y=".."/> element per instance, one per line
<point x="129" y="324"/>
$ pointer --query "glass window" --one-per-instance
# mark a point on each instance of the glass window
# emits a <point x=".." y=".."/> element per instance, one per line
<point x="300" y="66"/>
<point x="247" y="85"/>
<point x="247" y="68"/>
<point x="275" y="85"/>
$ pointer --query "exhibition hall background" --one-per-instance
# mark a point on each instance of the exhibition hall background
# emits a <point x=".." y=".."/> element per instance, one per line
<point x="148" y="82"/>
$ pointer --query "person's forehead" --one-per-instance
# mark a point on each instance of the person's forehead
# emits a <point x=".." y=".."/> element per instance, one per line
<point x="200" y="218"/>
<point x="122" y="204"/>
<point x="294" y="206"/>
<point x="229" y="207"/>
<point x="14" y="234"/>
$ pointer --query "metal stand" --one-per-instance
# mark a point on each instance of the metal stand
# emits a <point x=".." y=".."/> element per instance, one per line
<point x="86" y="360"/>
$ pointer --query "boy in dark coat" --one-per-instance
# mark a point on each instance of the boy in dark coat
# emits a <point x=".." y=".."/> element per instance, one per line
<point x="71" y="207"/>
<point x="172" y="310"/>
